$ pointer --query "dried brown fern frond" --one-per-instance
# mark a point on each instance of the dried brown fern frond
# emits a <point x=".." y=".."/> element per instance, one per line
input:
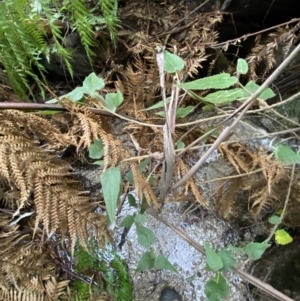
<point x="273" y="170"/>
<point x="20" y="295"/>
<point x="32" y="124"/>
<point x="24" y="264"/>
<point x="261" y="187"/>
<point x="188" y="38"/>
<point x="182" y="169"/>
<point x="86" y="128"/>
<point x="40" y="204"/>
<point x="33" y="177"/>
<point x="237" y="155"/>
<point x="35" y="286"/>
<point x="140" y="81"/>
<point x="135" y="74"/>
<point x="194" y="63"/>
<point x="263" y="201"/>
<point x="272" y="50"/>
<point x="83" y="129"/>
<point x="142" y="187"/>
<point x="55" y="288"/>
<point x="199" y="36"/>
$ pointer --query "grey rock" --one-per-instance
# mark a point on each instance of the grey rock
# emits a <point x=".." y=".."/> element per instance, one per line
<point x="169" y="294"/>
<point x="79" y="59"/>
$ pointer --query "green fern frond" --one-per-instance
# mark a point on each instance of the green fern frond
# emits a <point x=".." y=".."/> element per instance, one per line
<point x="80" y="16"/>
<point x="21" y="43"/>
<point x="84" y="259"/>
<point x="23" y="38"/>
<point x="65" y="54"/>
<point x="37" y="36"/>
<point x="14" y="71"/>
<point x="110" y="9"/>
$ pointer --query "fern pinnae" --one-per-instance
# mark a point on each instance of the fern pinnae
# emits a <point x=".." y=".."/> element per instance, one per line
<point x="23" y="47"/>
<point x="109" y="9"/>
<point x="80" y="15"/>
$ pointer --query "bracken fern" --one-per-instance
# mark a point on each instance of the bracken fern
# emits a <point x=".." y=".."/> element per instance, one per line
<point x="109" y="9"/>
<point x="23" y="38"/>
<point x="21" y="43"/>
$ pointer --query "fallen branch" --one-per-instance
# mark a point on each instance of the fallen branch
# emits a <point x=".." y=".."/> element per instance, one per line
<point x="44" y="106"/>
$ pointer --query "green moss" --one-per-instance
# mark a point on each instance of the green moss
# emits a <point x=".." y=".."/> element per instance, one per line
<point x="107" y="269"/>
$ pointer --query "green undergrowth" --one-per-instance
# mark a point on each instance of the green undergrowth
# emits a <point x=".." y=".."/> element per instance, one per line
<point x="222" y="89"/>
<point x="106" y="270"/>
<point x="25" y="30"/>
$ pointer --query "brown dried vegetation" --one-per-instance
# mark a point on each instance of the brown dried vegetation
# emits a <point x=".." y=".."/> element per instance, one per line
<point x="259" y="188"/>
<point x="42" y="206"/>
<point x="36" y="182"/>
<point x="269" y="51"/>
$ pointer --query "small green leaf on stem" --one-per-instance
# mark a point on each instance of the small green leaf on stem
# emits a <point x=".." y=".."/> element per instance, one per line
<point x="132" y="200"/>
<point x="140" y="218"/>
<point x="242" y="66"/>
<point x="146" y="261"/>
<point x="282" y="237"/>
<point x="219" y="81"/>
<point x="111" y="184"/>
<point x="146" y="237"/>
<point x="228" y="260"/>
<point x="252" y="87"/>
<point x="274" y="220"/>
<point x="183" y="112"/>
<point x="172" y="62"/>
<point x="93" y="83"/>
<point x="255" y="250"/>
<point x="127" y="221"/>
<point x="224" y="96"/>
<point x="76" y="95"/>
<point x="161" y="262"/>
<point x="213" y="260"/>
<point x="217" y="289"/>
<point x="180" y="145"/>
<point x="113" y="100"/>
<point x="96" y="150"/>
<point x="158" y="105"/>
<point x="286" y="155"/>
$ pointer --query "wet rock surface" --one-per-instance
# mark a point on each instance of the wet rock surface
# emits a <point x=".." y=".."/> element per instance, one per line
<point x="169" y="294"/>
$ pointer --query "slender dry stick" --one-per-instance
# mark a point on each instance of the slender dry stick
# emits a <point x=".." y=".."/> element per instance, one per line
<point x="182" y="151"/>
<point x="243" y="109"/>
<point x="244" y="275"/>
<point x="41" y="106"/>
<point x="277" y="104"/>
<point x="44" y="106"/>
<point x="58" y="107"/>
<point x="244" y="37"/>
<point x="288" y="131"/>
